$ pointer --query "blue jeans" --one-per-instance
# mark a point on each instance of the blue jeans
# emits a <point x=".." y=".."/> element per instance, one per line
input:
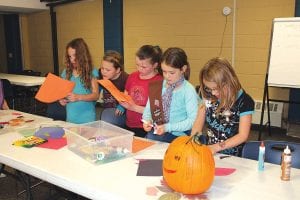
<point x="108" y="115"/>
<point x="166" y="137"/>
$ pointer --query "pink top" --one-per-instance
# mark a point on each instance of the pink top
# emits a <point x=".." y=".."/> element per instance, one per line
<point x="137" y="88"/>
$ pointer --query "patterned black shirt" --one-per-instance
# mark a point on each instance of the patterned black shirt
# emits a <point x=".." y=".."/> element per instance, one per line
<point x="225" y="124"/>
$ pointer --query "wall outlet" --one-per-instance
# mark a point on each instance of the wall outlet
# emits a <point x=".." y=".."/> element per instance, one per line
<point x="226" y="11"/>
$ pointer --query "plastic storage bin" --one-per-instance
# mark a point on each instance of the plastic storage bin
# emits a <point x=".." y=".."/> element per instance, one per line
<point x="99" y="142"/>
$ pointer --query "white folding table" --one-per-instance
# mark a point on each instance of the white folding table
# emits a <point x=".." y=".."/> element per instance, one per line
<point x="118" y="180"/>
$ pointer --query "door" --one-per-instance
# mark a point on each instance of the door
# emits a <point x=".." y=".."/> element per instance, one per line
<point x="13" y="43"/>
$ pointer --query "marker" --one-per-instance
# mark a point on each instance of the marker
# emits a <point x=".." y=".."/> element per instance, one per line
<point x="146" y="122"/>
<point x="152" y="125"/>
<point x="226" y="156"/>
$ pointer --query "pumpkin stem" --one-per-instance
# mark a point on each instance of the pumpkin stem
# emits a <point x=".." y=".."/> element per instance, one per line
<point x="190" y="139"/>
<point x="197" y="138"/>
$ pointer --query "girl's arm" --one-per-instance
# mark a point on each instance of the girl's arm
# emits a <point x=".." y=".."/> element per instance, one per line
<point x="147" y="118"/>
<point x="132" y="106"/>
<point x="200" y="120"/>
<point x="94" y="96"/>
<point x="190" y="105"/>
<point x="147" y="112"/>
<point x="239" y="138"/>
<point x="5" y="105"/>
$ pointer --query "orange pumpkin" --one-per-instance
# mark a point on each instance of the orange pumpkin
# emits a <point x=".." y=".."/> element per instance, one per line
<point x="188" y="166"/>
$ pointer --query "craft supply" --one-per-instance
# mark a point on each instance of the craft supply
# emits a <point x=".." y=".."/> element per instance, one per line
<point x="16" y="122"/>
<point x="286" y="162"/>
<point x="155" y="128"/>
<point x="99" y="142"/>
<point x="154" y="125"/>
<point x="30" y="141"/>
<point x="146" y="122"/>
<point x="261" y="156"/>
<point x="52" y="132"/>
<point x="225" y="156"/>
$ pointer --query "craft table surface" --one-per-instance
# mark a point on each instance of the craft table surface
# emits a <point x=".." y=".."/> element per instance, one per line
<point x="118" y="180"/>
<point x="23" y="80"/>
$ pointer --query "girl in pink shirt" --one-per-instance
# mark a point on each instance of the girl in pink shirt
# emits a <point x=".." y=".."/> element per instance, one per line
<point x="148" y="59"/>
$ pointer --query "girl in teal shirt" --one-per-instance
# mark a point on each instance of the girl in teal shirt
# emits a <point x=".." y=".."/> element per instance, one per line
<point x="80" y="103"/>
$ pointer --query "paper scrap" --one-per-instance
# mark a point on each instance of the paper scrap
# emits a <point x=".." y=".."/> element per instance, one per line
<point x="140" y="144"/>
<point x="220" y="171"/>
<point x="54" y="143"/>
<point x="150" y="167"/>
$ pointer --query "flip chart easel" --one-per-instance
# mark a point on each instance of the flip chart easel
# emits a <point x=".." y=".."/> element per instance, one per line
<point x="284" y="61"/>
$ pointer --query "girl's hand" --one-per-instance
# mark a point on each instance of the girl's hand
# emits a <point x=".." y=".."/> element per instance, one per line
<point x="216" y="147"/>
<point x="159" y="129"/>
<point x="63" y="102"/>
<point x="73" y="97"/>
<point x="129" y="105"/>
<point x="147" y="125"/>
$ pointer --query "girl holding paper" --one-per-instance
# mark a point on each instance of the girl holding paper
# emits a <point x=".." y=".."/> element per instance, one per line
<point x="112" y="68"/>
<point x="147" y="61"/>
<point x="80" y="103"/>
<point x="179" y="100"/>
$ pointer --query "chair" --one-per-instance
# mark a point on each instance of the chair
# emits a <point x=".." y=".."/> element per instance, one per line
<point x="273" y="152"/>
<point x="8" y="93"/>
<point x="108" y="115"/>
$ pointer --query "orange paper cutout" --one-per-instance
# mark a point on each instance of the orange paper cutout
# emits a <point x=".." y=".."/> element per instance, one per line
<point x="114" y="91"/>
<point x="139" y="144"/>
<point x="54" y="88"/>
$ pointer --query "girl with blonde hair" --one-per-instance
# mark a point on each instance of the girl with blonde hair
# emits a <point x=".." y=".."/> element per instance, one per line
<point x="226" y="108"/>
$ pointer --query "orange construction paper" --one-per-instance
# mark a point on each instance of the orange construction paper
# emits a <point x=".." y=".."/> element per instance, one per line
<point x="115" y="92"/>
<point x="54" y="88"/>
<point x="139" y="144"/>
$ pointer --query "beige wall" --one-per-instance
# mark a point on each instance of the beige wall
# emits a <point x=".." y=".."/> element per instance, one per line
<point x="36" y="41"/>
<point x="82" y="19"/>
<point x="197" y="27"/>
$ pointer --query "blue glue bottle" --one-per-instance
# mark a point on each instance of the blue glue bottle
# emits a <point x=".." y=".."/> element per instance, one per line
<point x="261" y="157"/>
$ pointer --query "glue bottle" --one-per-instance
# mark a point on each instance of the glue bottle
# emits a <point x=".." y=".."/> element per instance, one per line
<point x="286" y="162"/>
<point x="261" y="157"/>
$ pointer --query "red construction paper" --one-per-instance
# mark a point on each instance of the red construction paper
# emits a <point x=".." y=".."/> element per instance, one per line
<point x="114" y="91"/>
<point x="54" y="88"/>
<point x="220" y="171"/>
<point x="54" y="143"/>
<point x="139" y="144"/>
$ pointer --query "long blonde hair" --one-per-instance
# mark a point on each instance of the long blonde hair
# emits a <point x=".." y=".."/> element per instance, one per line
<point x="220" y="71"/>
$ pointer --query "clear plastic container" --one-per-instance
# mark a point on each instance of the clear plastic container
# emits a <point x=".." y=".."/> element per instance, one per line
<point x="99" y="142"/>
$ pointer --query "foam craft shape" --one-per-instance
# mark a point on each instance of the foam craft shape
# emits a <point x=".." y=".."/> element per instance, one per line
<point x="114" y="91"/>
<point x="54" y="88"/>
<point x="50" y="132"/>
